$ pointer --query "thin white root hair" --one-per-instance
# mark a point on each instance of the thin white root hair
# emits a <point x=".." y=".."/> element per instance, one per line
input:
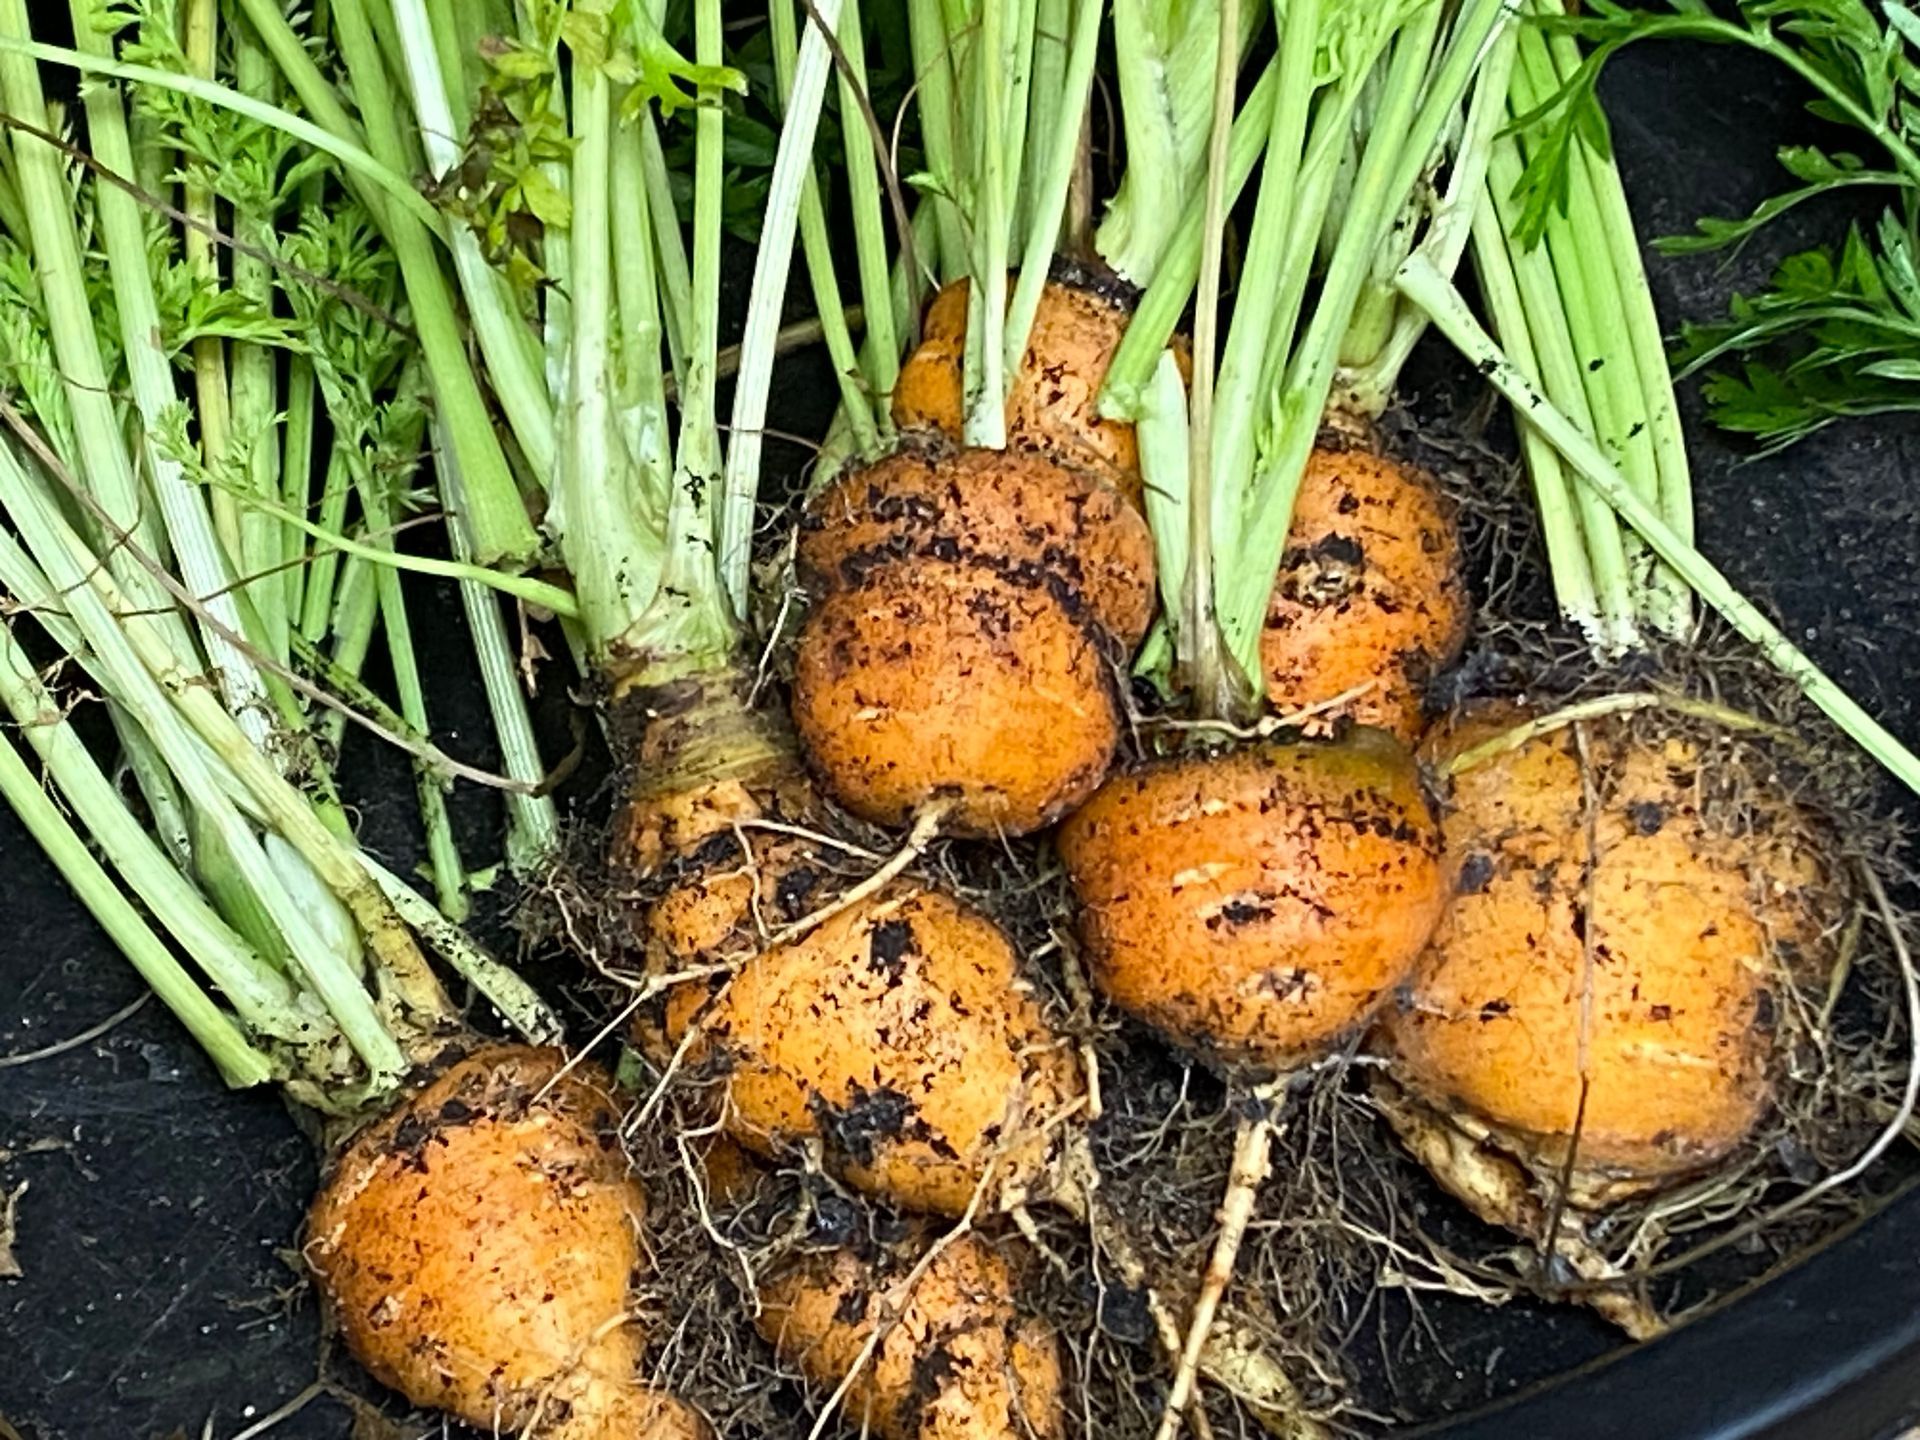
<point x="1252" y="1156"/>
<point x="926" y="826"/>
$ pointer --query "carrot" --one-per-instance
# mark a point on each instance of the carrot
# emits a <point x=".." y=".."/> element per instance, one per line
<point x="973" y="601"/>
<point x="927" y="1345"/>
<point x="1052" y="399"/>
<point x="899" y="1036"/>
<point x="1257" y="904"/>
<point x="477" y="1245"/>
<point x="1596" y="995"/>
<point x="1371" y="601"/>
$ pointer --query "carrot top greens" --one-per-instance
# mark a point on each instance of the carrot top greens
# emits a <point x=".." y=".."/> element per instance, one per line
<point x="1836" y="331"/>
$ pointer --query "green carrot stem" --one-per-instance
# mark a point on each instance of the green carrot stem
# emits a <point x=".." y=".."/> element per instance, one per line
<point x="1594" y="308"/>
<point x="323" y="565"/>
<point x="443" y="852"/>
<point x="1405" y="120"/>
<point x="167" y="701"/>
<point x="510" y="348"/>
<point x="984" y="372"/>
<point x="1230" y="416"/>
<point x="182" y="506"/>
<point x="1436" y="295"/>
<point x="1048" y="197"/>
<point x="1567" y="563"/>
<point x="793" y="163"/>
<point x="239" y="1063"/>
<point x="867" y="211"/>
<point x="640" y="408"/>
<point x="253" y="388"/>
<point x="709" y="520"/>
<point x="1208" y="671"/>
<point x="296" y="482"/>
<point x="1660" y="409"/>
<point x="212" y="411"/>
<point x="933" y="73"/>
<point x="676" y="281"/>
<point x="384" y="183"/>
<point x="1018" y="39"/>
<point x="1370" y="385"/>
<point x="1158" y="312"/>
<point x="524" y="587"/>
<point x="533" y="821"/>
<point x="58" y="268"/>
<point x="1047" y="87"/>
<point x="503" y="531"/>
<point x="356" y="609"/>
<point x="855" y="402"/>
<point x="1559" y="370"/>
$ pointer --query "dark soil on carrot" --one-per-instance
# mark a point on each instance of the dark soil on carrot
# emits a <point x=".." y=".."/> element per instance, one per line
<point x="146" y="1215"/>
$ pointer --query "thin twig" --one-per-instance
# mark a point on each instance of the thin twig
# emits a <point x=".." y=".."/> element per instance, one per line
<point x="74" y="1042"/>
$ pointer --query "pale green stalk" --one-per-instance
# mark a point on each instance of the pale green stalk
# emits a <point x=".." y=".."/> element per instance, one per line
<point x="613" y="561"/>
<point x="868" y="214"/>
<point x="1419" y="98"/>
<point x="676" y="284"/>
<point x="793" y="163"/>
<point x="709" y="536"/>
<point x="1368" y="389"/>
<point x="213" y="415"/>
<point x="1158" y="312"/>
<point x="1053" y="32"/>
<point x="1208" y="673"/>
<point x="296" y="482"/>
<point x="239" y="1063"/>
<point x="1019" y="70"/>
<point x="1567" y="563"/>
<point x="356" y="608"/>
<point x="447" y="50"/>
<point x="515" y="366"/>
<point x="855" y="404"/>
<point x="166" y="812"/>
<point x="1559" y="371"/>
<point x="934" y="82"/>
<point x="323" y="566"/>
<point x="1047" y="198"/>
<point x="1162" y="432"/>
<point x="146" y="679"/>
<point x="1436" y="295"/>
<point x="640" y="408"/>
<point x="1278" y="218"/>
<point x="1672" y="610"/>
<point x="58" y="269"/>
<point x="196" y="549"/>
<point x="533" y="821"/>
<point x="253" y="387"/>
<point x="985" y="372"/>
<point x="501" y="527"/>
<point x="386" y="184"/>
<point x="1594" y="309"/>
<point x="1163" y="61"/>
<point x="443" y="852"/>
<point x="258" y="993"/>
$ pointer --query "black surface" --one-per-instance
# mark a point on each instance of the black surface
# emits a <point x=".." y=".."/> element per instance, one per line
<point x="154" y="1300"/>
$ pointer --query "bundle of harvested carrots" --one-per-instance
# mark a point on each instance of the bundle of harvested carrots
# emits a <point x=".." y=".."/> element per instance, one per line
<point x="1108" y="561"/>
